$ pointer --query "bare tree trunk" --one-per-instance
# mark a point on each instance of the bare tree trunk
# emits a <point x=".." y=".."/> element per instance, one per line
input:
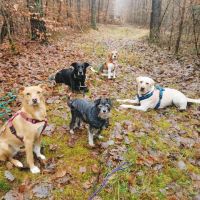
<point x="7" y="28"/>
<point x="38" y="27"/>
<point x="155" y="20"/>
<point x="99" y="9"/>
<point x="93" y="15"/>
<point x="106" y="13"/>
<point x="79" y="9"/>
<point x="180" y="28"/>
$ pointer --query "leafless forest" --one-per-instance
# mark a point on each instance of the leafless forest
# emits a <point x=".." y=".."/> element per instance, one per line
<point x="174" y="24"/>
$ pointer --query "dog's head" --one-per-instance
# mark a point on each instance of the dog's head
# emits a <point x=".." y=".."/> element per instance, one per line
<point x="79" y="69"/>
<point x="113" y="56"/>
<point x="103" y="106"/>
<point x="145" y="84"/>
<point x="33" y="95"/>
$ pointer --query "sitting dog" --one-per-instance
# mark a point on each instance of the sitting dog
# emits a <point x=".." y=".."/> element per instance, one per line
<point x="150" y="96"/>
<point x="96" y="114"/>
<point x="75" y="78"/>
<point x="109" y="68"/>
<point x="25" y="128"/>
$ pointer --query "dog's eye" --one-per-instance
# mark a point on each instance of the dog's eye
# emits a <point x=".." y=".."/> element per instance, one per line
<point x="100" y="106"/>
<point x="27" y="93"/>
<point x="141" y="81"/>
<point x="38" y="92"/>
<point x="147" y="83"/>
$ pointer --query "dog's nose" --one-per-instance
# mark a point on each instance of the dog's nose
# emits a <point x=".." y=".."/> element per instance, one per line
<point x="142" y="89"/>
<point x="104" y="111"/>
<point x="34" y="100"/>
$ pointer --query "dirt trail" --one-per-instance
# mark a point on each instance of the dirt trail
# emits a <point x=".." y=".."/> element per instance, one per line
<point x="163" y="146"/>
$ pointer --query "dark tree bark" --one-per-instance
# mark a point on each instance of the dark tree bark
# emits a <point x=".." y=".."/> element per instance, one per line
<point x="93" y="15"/>
<point x="7" y="28"/>
<point x="180" y="28"/>
<point x="99" y="10"/>
<point x="79" y="9"/>
<point x="155" y="20"/>
<point x="38" y="27"/>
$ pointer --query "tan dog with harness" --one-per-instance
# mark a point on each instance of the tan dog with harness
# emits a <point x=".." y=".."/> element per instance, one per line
<point x="24" y="128"/>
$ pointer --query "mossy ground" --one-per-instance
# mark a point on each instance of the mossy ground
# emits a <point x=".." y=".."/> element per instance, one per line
<point x="145" y="181"/>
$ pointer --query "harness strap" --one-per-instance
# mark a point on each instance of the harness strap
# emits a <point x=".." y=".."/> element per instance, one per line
<point x="148" y="95"/>
<point x="23" y="115"/>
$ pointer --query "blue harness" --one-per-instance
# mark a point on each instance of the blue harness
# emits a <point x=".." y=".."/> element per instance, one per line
<point x="148" y="95"/>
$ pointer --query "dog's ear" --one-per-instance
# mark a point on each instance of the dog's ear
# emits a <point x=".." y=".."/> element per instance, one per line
<point x="97" y="102"/>
<point x="152" y="81"/>
<point x="21" y="90"/>
<point x="109" y="101"/>
<point x="86" y="65"/>
<point x="43" y="86"/>
<point x="138" y="79"/>
<point x="74" y="64"/>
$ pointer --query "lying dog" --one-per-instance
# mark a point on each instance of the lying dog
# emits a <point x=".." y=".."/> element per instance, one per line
<point x="96" y="114"/>
<point x="75" y="78"/>
<point x="109" y="68"/>
<point x="25" y="128"/>
<point x="152" y="97"/>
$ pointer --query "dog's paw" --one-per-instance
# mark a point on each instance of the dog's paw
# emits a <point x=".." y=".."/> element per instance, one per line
<point x="18" y="164"/>
<point x="35" y="170"/>
<point x="124" y="106"/>
<point x="71" y="131"/>
<point x="42" y="157"/>
<point x="91" y="144"/>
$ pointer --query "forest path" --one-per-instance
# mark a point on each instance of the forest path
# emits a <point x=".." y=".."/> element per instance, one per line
<point x="162" y="145"/>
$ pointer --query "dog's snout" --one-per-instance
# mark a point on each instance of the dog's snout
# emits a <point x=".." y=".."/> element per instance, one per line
<point x="142" y="88"/>
<point x="104" y="111"/>
<point x="34" y="100"/>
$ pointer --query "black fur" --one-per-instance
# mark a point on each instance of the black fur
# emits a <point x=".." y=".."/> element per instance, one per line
<point x="75" y="77"/>
<point x="93" y="113"/>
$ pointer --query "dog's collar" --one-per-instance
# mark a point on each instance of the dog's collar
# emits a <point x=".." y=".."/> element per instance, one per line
<point x="145" y="96"/>
<point x="24" y="116"/>
<point x="149" y="94"/>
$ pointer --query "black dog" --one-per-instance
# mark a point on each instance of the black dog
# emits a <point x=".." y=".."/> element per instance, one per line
<point x="75" y="77"/>
<point x="96" y="114"/>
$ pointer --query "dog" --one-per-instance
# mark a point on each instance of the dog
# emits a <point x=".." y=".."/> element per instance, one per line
<point x="96" y="114"/>
<point x="110" y="67"/>
<point x="151" y="97"/>
<point x="25" y="127"/>
<point x="73" y="77"/>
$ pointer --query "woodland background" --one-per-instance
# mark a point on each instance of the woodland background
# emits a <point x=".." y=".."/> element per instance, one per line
<point x="172" y="23"/>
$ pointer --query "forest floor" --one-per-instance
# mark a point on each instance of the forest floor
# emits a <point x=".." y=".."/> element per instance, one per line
<point x="163" y="146"/>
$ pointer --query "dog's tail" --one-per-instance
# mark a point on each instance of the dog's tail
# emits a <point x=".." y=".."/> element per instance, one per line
<point x="93" y="70"/>
<point x="193" y="100"/>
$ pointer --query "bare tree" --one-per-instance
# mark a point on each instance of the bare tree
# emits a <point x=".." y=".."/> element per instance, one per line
<point x="155" y="20"/>
<point x="180" y="28"/>
<point x="93" y="15"/>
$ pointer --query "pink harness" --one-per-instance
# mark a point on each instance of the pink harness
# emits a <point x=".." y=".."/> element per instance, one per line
<point x="23" y="115"/>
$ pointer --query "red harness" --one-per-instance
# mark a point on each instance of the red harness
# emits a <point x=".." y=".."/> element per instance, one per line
<point x="23" y="115"/>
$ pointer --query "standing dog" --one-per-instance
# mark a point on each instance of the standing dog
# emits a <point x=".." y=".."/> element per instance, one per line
<point x="96" y="114"/>
<point x="109" y="68"/>
<point x="152" y="97"/>
<point x="25" y="128"/>
<point x="75" y="78"/>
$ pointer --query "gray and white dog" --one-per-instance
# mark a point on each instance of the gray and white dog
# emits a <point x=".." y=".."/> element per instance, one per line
<point x="96" y="114"/>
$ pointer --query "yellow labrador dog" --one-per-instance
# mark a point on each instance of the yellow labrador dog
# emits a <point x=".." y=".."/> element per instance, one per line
<point x="25" y="127"/>
<point x="151" y="97"/>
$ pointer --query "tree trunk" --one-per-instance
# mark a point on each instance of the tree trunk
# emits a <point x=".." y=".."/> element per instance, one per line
<point x="155" y="20"/>
<point x="93" y="15"/>
<point x="7" y="28"/>
<point x="180" y="28"/>
<point x="79" y="9"/>
<point x="99" y="9"/>
<point x="38" y="28"/>
<point x="105" y="19"/>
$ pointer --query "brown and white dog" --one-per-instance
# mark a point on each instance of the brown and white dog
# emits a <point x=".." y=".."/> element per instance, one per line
<point x="25" y="127"/>
<point x="111" y="65"/>
<point x="109" y="68"/>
